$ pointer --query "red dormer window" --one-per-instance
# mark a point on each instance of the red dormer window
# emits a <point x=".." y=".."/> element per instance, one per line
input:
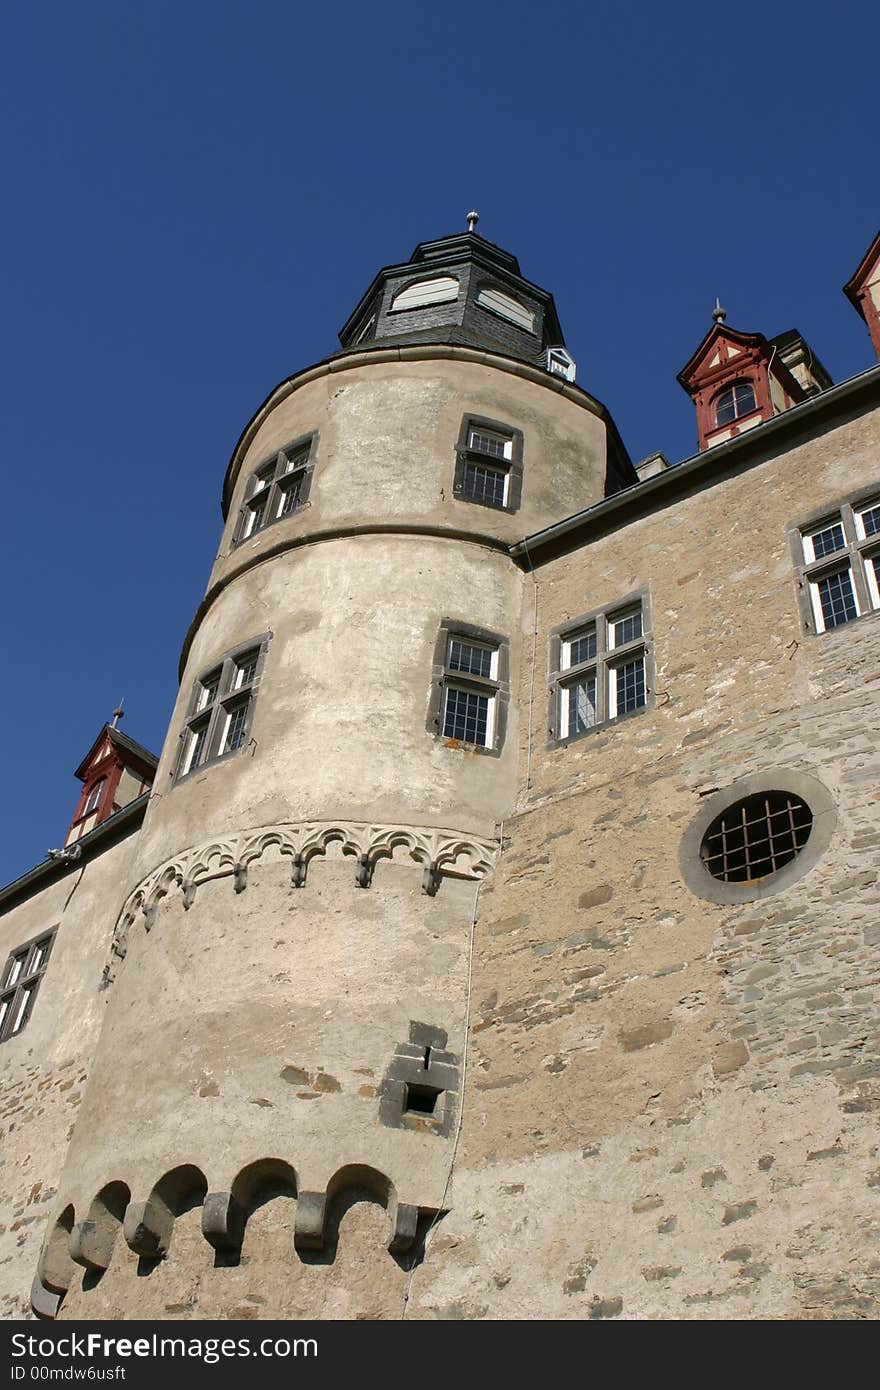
<point x="734" y="402"/>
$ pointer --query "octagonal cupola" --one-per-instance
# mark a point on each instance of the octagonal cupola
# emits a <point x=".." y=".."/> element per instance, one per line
<point x="460" y="290"/>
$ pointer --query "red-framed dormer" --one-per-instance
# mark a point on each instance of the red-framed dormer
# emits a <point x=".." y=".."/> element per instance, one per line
<point x="736" y="381"/>
<point x="863" y="291"/>
<point x="115" y="771"/>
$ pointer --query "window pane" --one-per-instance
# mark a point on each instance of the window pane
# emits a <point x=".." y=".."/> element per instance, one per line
<point x="4" y="1010"/>
<point x="208" y="692"/>
<point x="256" y="513"/>
<point x="826" y="541"/>
<point x="196" y="752"/>
<point x="290" y="493"/>
<point x="235" y="728"/>
<point x="297" y="459"/>
<point x="626" y="628"/>
<point x="735" y="401"/>
<point x="466" y="715"/>
<point x="38" y="959"/>
<point x="21" y="1012"/>
<point x="581" y="701"/>
<point x="872" y="569"/>
<point x="484" y="484"/>
<point x="15" y="970"/>
<point x="871" y="520"/>
<point x="581" y="646"/>
<point x="630" y="685"/>
<point x="245" y="670"/>
<point x="261" y="480"/>
<point x="837" y="599"/>
<point x="487" y="442"/>
<point x="465" y="656"/>
<point x="94" y="796"/>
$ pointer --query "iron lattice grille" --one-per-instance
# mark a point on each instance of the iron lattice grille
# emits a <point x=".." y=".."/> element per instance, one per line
<point x="756" y="837"/>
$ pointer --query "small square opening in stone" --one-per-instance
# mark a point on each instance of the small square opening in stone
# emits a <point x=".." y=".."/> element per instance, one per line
<point x="421" y="1100"/>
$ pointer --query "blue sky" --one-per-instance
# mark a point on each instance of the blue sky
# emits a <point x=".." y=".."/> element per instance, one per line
<point x="197" y="195"/>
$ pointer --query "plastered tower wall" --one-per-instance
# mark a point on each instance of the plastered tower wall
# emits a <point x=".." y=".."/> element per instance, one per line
<point x="260" y="1031"/>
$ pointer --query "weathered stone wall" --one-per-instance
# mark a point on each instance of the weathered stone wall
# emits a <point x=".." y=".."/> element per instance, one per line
<point x="671" y="1105"/>
<point x="43" y="1068"/>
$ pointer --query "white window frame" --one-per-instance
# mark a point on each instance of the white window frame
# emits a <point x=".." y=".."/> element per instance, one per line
<point x="22" y="975"/>
<point x="604" y="665"/>
<point x="856" y="557"/>
<point x="213" y="716"/>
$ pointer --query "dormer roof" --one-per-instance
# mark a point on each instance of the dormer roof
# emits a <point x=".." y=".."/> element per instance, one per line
<point x="717" y="354"/>
<point x="129" y="751"/>
<point x="855" y="286"/>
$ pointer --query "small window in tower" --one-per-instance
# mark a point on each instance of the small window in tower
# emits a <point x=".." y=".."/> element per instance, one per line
<point x="489" y="465"/>
<point x="470" y="688"/>
<point x="421" y="1100"/>
<point x="221" y="709"/>
<point x="24" y="970"/>
<point x="277" y="489"/>
<point x="734" y="402"/>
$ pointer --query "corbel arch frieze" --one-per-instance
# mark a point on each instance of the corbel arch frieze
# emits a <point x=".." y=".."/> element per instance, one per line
<point x="439" y="852"/>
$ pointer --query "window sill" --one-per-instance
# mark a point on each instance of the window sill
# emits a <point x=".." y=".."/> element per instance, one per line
<point x="254" y="535"/>
<point x="811" y="631"/>
<point x="600" y="728"/>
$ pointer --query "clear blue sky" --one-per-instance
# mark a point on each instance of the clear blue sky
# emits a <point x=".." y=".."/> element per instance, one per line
<point x="197" y="195"/>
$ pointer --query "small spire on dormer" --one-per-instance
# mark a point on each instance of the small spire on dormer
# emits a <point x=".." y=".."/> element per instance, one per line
<point x="118" y="713"/>
<point x="718" y="314"/>
<point x="472" y="220"/>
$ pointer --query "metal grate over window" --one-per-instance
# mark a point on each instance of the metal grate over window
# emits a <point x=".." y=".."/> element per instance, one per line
<point x="756" y="837"/>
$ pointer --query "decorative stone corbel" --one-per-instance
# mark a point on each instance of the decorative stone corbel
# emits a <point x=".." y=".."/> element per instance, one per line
<point x="364" y="871"/>
<point x="298" y="871"/>
<point x="45" y="1302"/>
<point x="189" y="894"/>
<point x="222" y="1221"/>
<point x="404" y="1221"/>
<point x="91" y="1242"/>
<point x="147" y="1227"/>
<point x="309" y="1228"/>
<point x="431" y="877"/>
<point x="240" y="878"/>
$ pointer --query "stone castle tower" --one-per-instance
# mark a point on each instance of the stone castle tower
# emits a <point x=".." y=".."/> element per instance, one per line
<point x="498" y="927"/>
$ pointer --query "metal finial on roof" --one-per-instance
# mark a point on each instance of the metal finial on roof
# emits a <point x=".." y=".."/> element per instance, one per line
<point x="117" y="714"/>
<point x="472" y="220"/>
<point x="719" y="314"/>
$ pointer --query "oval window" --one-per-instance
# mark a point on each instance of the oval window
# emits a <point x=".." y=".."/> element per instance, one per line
<point x="756" y="837"/>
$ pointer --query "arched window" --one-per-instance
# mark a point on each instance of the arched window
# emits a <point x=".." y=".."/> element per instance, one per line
<point x="94" y="796"/>
<point x="507" y="307"/>
<point x="441" y="290"/>
<point x="737" y="400"/>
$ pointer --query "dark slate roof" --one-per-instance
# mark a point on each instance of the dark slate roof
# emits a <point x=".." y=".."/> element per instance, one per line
<point x="477" y="264"/>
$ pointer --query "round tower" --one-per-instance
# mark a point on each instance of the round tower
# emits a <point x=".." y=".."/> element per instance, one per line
<point x="288" y="988"/>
